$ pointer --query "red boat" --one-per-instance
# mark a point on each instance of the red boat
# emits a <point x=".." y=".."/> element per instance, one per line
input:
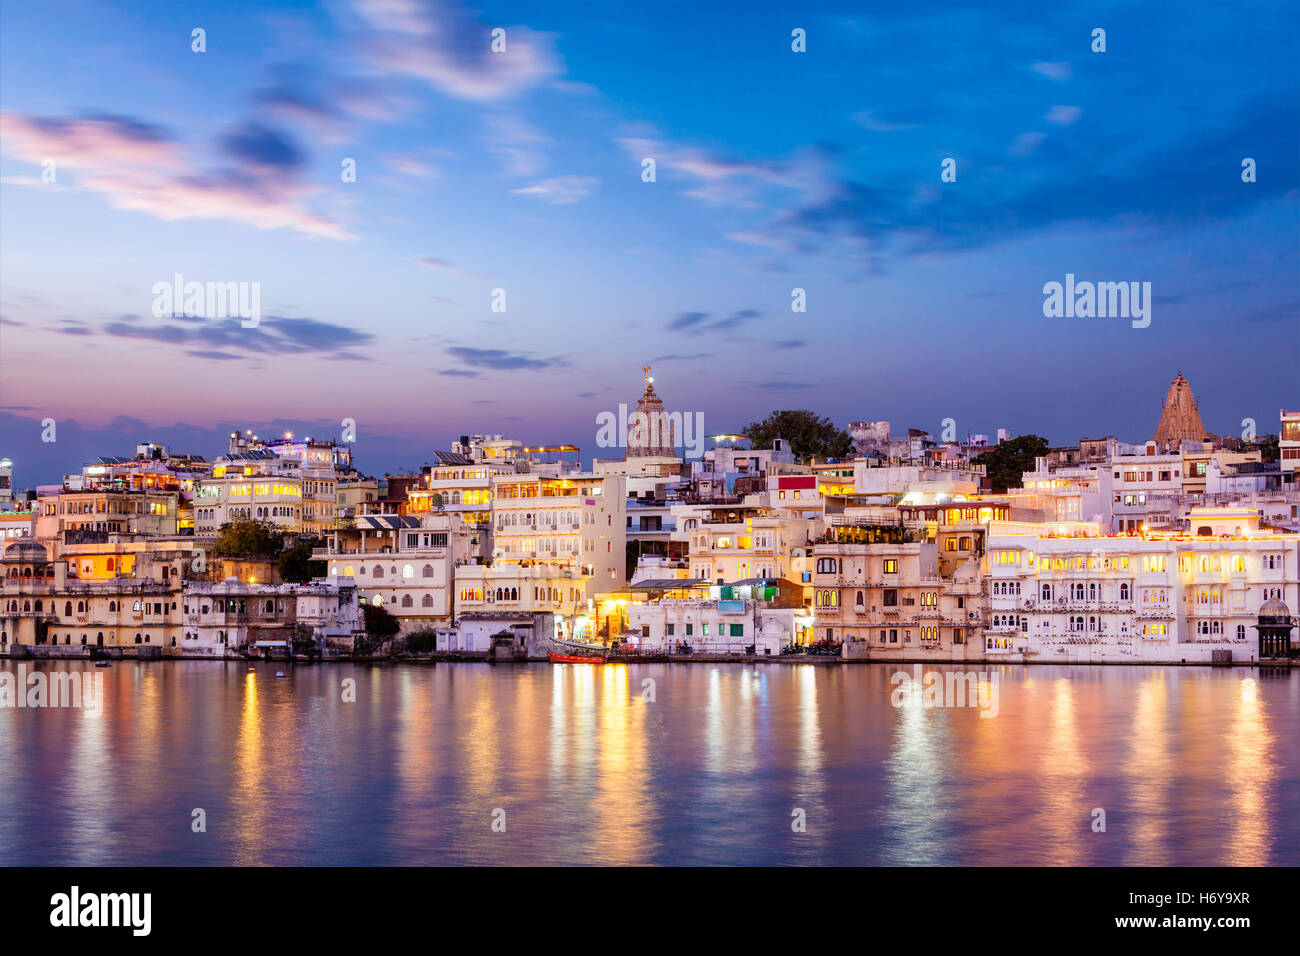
<point x="574" y="658"/>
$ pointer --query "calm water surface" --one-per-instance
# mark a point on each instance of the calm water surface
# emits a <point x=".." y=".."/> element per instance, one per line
<point x="1191" y="765"/>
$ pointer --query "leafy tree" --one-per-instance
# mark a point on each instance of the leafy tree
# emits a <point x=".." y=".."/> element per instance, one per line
<point x="304" y="644"/>
<point x="1007" y="461"/>
<point x="380" y="622"/>
<point x="296" y="565"/>
<point x="807" y="435"/>
<point x="1267" y="445"/>
<point x="248" y="537"/>
<point x="422" y="641"/>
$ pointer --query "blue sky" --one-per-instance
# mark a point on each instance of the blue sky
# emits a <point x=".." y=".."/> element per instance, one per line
<point x="818" y="170"/>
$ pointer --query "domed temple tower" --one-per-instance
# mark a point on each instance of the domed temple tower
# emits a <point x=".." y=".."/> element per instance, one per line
<point x="650" y="433"/>
<point x="1180" y="419"/>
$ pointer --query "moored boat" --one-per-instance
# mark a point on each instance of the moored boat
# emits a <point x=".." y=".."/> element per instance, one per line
<point x="574" y="658"/>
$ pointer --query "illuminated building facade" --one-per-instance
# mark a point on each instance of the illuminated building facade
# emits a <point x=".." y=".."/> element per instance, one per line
<point x="257" y="485"/>
<point x="403" y="563"/>
<point x="880" y="591"/>
<point x="1071" y="593"/>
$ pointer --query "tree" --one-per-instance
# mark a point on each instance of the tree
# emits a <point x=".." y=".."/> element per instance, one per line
<point x="422" y="641"/>
<point x="1267" y="447"/>
<point x="296" y="565"/>
<point x="807" y="435"/>
<point x="304" y="642"/>
<point x="1006" y="462"/>
<point x="380" y="626"/>
<point x="248" y="537"/>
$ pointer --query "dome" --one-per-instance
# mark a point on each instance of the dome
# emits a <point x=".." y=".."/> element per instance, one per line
<point x="26" y="550"/>
<point x="1275" y="608"/>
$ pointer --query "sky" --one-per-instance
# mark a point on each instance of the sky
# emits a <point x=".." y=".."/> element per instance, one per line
<point x="524" y="171"/>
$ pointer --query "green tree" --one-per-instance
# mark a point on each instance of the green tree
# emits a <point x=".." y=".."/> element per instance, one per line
<point x="1007" y="462"/>
<point x="248" y="537"/>
<point x="296" y="565"/>
<point x="1267" y="445"/>
<point x="807" y="435"/>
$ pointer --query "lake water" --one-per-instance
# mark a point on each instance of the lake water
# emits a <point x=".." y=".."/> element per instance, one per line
<point x="1190" y="766"/>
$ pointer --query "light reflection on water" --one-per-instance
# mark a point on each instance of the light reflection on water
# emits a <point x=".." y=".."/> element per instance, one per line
<point x="1188" y="764"/>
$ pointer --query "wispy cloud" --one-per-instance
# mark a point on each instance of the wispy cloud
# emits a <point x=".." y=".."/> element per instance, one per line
<point x="137" y="166"/>
<point x="560" y="190"/>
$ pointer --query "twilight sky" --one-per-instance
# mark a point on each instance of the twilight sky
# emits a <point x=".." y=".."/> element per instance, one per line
<point x="522" y="171"/>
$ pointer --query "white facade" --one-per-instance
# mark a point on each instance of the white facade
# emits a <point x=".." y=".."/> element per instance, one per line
<point x="711" y="626"/>
<point x="1068" y="593"/>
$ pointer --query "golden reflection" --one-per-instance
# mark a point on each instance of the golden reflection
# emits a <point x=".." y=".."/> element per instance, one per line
<point x="250" y="772"/>
<point x="1063" y="769"/>
<point x="1249" y="772"/>
<point x="1150" y="766"/>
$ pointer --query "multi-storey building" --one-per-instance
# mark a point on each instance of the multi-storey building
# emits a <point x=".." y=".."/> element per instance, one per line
<point x="763" y="545"/>
<point x="65" y="516"/>
<point x="1073" y="593"/>
<point x="403" y="563"/>
<point x="254" y="484"/>
<point x="879" y="590"/>
<point x="1288" y="445"/>
<point x="458" y="484"/>
<point x="231" y="617"/>
<point x="91" y="599"/>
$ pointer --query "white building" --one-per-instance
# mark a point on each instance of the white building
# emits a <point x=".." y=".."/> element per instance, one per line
<point x="1068" y="592"/>
<point x="226" y="618"/>
<point x="402" y="563"/>
<point x="259" y="485"/>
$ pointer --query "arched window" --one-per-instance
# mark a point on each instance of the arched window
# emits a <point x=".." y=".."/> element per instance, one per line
<point x="426" y="601"/>
<point x="1123" y="592"/>
<point x="137" y="638"/>
<point x="112" y="605"/>
<point x="378" y="571"/>
<point x="67" y="609"/>
<point x="428" y="571"/>
<point x="859" y="600"/>
<point x="408" y="571"/>
<point x="406" y="601"/>
<point x="514" y="594"/>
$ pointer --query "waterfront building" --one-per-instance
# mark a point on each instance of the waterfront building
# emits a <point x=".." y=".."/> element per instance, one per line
<point x="881" y="592"/>
<point x="747" y="617"/>
<point x="1072" y="592"/>
<point x="403" y="563"/>
<point x="91" y="597"/>
<point x="233" y="617"/>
